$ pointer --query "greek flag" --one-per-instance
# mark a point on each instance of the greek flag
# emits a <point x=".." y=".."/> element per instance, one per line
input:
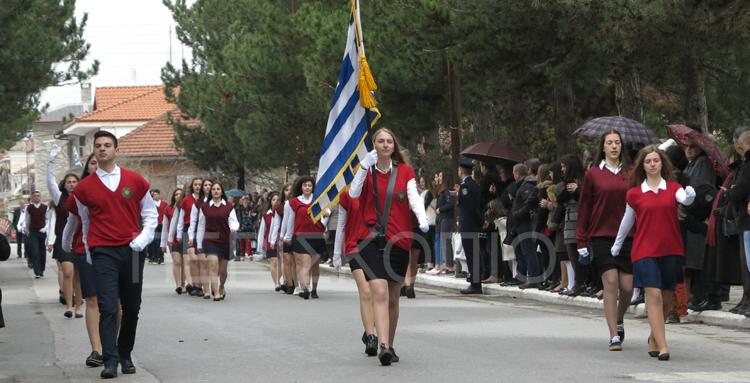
<point x="346" y="140"/>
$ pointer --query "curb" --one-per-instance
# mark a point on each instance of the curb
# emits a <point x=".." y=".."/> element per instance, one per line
<point x="714" y="318"/>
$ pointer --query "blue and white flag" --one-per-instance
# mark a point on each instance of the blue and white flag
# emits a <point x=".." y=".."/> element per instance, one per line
<point x="352" y="114"/>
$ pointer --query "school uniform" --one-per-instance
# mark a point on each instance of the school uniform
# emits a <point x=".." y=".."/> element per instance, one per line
<point x="36" y="221"/>
<point x="307" y="237"/>
<point x="350" y="229"/>
<point x="118" y="218"/>
<point x="284" y="226"/>
<point x="216" y="223"/>
<point x="54" y="234"/>
<point x="72" y="243"/>
<point x="183" y="221"/>
<point x="658" y="252"/>
<point x="154" y="248"/>
<point x="265" y="245"/>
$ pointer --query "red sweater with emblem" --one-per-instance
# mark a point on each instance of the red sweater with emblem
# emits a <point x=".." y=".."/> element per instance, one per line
<point x="657" y="229"/>
<point x="303" y="223"/>
<point x="399" y="221"/>
<point x="114" y="216"/>
<point x="355" y="228"/>
<point x="217" y="224"/>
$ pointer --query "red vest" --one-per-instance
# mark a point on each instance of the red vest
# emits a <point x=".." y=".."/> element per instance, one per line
<point x="303" y="223"/>
<point x="657" y="229"/>
<point x="399" y="221"/>
<point x="115" y="216"/>
<point x="217" y="224"/>
<point x="160" y="208"/>
<point x="37" y="216"/>
<point x="186" y="206"/>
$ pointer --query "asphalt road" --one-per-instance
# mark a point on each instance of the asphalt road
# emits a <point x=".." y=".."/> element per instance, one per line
<point x="258" y="335"/>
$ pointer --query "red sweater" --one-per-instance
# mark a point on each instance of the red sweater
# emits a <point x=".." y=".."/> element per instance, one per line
<point x="399" y="221"/>
<point x="303" y="223"/>
<point x="187" y="206"/>
<point x="657" y="229"/>
<point x="601" y="204"/>
<point x="72" y="208"/>
<point x="217" y="224"/>
<point x="37" y="216"/>
<point x="355" y="229"/>
<point x="61" y="214"/>
<point x="161" y="207"/>
<point x="114" y="216"/>
<point x="267" y="217"/>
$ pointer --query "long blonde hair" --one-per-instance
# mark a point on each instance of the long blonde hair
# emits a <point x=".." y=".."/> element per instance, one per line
<point x="397" y="156"/>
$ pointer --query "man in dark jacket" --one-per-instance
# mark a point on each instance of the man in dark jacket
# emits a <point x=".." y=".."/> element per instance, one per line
<point x="4" y="255"/>
<point x="739" y="199"/>
<point x="445" y="222"/>
<point x="470" y="223"/>
<point x="521" y="218"/>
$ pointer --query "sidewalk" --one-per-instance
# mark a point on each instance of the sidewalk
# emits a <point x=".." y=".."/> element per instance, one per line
<point x="716" y="318"/>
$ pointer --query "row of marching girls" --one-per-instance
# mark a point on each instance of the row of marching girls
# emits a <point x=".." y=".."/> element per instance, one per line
<point x="197" y="228"/>
<point x="374" y="231"/>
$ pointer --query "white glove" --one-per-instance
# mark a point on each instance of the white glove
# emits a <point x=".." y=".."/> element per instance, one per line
<point x="666" y="144"/>
<point x="370" y="159"/>
<point x="43" y="230"/>
<point x="615" y="250"/>
<point x="424" y="227"/>
<point x="690" y="193"/>
<point x="337" y="261"/>
<point x="584" y="252"/>
<point x="139" y="243"/>
<point x="67" y="247"/>
<point x="53" y="152"/>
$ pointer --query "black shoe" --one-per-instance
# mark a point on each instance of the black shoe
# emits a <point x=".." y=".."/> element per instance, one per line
<point x="109" y="372"/>
<point x="740" y="308"/>
<point x="693" y="303"/>
<point x="621" y="331"/>
<point x="68" y="314"/>
<point x="127" y="366"/>
<point x="282" y="288"/>
<point x="189" y="288"/>
<point x="395" y="357"/>
<point x="95" y="359"/>
<point x="473" y="289"/>
<point x="462" y="274"/>
<point x="304" y="294"/>
<point x="708" y="304"/>
<point x="364" y="337"/>
<point x="410" y="292"/>
<point x="664" y="356"/>
<point x="314" y="294"/>
<point x="178" y="290"/>
<point x="289" y="290"/>
<point x="528" y="285"/>
<point x="725" y="297"/>
<point x="371" y="345"/>
<point x="277" y="289"/>
<point x="79" y="315"/>
<point x="385" y="356"/>
<point x="577" y="290"/>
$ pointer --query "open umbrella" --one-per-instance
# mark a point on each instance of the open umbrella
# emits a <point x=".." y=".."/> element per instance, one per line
<point x="631" y="131"/>
<point x="493" y="152"/>
<point x="235" y="193"/>
<point x="686" y="136"/>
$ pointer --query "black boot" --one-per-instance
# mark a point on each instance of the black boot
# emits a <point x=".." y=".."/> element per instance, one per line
<point x="371" y="345"/>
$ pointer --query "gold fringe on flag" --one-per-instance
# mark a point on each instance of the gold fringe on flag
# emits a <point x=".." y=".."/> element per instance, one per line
<point x="366" y="84"/>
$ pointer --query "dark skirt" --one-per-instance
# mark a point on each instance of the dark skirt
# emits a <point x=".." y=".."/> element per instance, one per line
<point x="601" y="247"/>
<point x="86" y="274"/>
<point x="212" y="249"/>
<point x="287" y="248"/>
<point x="390" y="264"/>
<point x="353" y="263"/>
<point x="272" y="253"/>
<point x="59" y="254"/>
<point x="660" y="272"/>
<point x="310" y="244"/>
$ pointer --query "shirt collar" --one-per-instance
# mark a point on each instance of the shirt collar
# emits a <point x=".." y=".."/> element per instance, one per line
<point x="388" y="170"/>
<point x="302" y="198"/>
<point x="611" y="169"/>
<point x="645" y="188"/>
<point x="102" y="173"/>
<point x="222" y="203"/>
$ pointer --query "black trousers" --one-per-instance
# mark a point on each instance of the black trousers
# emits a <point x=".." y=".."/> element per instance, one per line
<point x="473" y="261"/>
<point x="154" y="248"/>
<point x="20" y="244"/>
<point x="118" y="272"/>
<point x="37" y="251"/>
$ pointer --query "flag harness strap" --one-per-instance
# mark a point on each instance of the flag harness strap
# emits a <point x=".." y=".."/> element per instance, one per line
<point x="382" y="222"/>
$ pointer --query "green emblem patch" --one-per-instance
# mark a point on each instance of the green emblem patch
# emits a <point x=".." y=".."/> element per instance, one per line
<point x="126" y="193"/>
<point x="401" y="196"/>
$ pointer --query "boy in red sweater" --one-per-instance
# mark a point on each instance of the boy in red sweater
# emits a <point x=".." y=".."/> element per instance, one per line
<point x="118" y="219"/>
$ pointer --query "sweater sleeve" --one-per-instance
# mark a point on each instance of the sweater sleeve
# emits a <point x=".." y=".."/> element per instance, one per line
<point x="628" y="220"/>
<point x="200" y="231"/>
<point x="289" y="219"/>
<point x="273" y="235"/>
<point x="261" y="234"/>
<point x="416" y="202"/>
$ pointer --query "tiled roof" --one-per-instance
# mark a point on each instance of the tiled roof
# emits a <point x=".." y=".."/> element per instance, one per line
<point x="110" y="95"/>
<point x="144" y="105"/>
<point x="155" y="138"/>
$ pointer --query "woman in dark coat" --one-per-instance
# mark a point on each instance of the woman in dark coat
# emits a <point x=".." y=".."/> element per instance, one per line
<point x="4" y="254"/>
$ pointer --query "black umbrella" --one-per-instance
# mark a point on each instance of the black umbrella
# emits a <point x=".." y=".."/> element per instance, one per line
<point x="631" y="131"/>
<point x="493" y="153"/>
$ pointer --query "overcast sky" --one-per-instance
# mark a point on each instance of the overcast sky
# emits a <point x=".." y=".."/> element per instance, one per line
<point x="131" y="40"/>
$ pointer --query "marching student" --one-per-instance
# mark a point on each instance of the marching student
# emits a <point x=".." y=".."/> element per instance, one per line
<point x="168" y="240"/>
<point x="266" y="237"/>
<point x="389" y="195"/>
<point x="601" y="206"/>
<point x="350" y="229"/>
<point x="113" y="205"/>
<point x="60" y="193"/>
<point x="183" y="228"/>
<point x="202" y="262"/>
<point x="217" y="222"/>
<point x="34" y="229"/>
<point x="306" y="236"/>
<point x="154" y="250"/>
<point x="658" y="252"/>
<point x="278" y="224"/>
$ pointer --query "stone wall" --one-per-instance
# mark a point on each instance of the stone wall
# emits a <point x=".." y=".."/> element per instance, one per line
<point x="165" y="174"/>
